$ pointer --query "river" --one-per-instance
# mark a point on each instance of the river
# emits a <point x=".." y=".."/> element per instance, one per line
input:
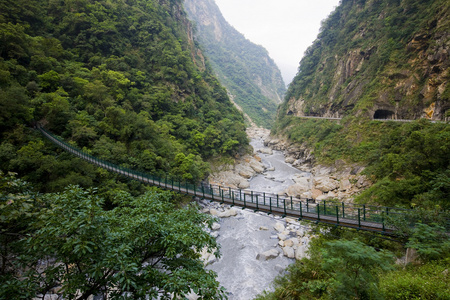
<point x="246" y="235"/>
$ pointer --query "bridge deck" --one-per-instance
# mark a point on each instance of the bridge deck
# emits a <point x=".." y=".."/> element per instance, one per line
<point x="339" y="214"/>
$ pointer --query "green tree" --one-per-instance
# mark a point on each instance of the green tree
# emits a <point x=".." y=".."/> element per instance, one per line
<point x="17" y="211"/>
<point x="354" y="267"/>
<point x="142" y="247"/>
<point x="431" y="241"/>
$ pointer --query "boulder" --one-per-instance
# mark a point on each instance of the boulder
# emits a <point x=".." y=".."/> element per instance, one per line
<point x="263" y="228"/>
<point x="295" y="242"/>
<point x="229" y="213"/>
<point x="325" y="184"/>
<point x="300" y="252"/>
<point x="327" y="196"/>
<point x="215" y="226"/>
<point x="279" y="227"/>
<point x="265" y="150"/>
<point x="289" y="252"/>
<point x="302" y="180"/>
<point x="223" y="214"/>
<point x="270" y="254"/>
<point x="289" y="160"/>
<point x="306" y="195"/>
<point x="288" y="243"/>
<point x="296" y="190"/>
<point x="245" y="172"/>
<point x="243" y="184"/>
<point x="322" y="197"/>
<point x="321" y="170"/>
<point x="282" y="236"/>
<point x="256" y="165"/>
<point x="315" y="193"/>
<point x="214" y="212"/>
<point x="345" y="184"/>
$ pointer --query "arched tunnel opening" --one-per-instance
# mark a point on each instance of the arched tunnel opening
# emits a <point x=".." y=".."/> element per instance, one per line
<point x="383" y="114"/>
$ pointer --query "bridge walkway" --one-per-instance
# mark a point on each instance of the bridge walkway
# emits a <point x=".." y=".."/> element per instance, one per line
<point x="361" y="217"/>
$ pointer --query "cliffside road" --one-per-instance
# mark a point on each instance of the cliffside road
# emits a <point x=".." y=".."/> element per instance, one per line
<point x="380" y="120"/>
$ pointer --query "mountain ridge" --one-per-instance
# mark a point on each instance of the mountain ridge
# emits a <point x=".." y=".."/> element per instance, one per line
<point x="377" y="58"/>
<point x="251" y="77"/>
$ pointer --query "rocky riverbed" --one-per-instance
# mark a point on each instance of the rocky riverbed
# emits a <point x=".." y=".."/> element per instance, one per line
<point x="256" y="247"/>
<point x="339" y="181"/>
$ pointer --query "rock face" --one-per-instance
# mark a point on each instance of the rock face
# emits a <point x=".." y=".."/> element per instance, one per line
<point x="353" y="69"/>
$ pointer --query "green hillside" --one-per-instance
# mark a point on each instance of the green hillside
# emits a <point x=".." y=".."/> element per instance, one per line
<point x="245" y="69"/>
<point x="379" y="60"/>
<point x="123" y="79"/>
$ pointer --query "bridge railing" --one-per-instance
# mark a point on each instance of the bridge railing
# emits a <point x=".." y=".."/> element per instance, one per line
<point x="359" y="214"/>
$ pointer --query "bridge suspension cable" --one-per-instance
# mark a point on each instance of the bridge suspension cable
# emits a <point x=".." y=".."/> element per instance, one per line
<point x="361" y="217"/>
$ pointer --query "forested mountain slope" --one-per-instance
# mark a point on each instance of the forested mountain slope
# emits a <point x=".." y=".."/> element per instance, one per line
<point x="378" y="59"/>
<point x="245" y="69"/>
<point x="122" y="78"/>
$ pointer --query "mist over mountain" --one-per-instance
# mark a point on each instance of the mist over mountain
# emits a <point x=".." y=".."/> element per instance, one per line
<point x="245" y="69"/>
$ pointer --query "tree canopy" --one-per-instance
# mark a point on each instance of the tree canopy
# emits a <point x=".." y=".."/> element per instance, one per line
<point x="143" y="246"/>
<point x="121" y="78"/>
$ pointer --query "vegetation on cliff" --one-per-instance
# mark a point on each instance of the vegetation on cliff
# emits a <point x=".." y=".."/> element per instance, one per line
<point x="121" y="79"/>
<point x="245" y="69"/>
<point x="124" y="81"/>
<point x="372" y="60"/>
<point x="389" y="56"/>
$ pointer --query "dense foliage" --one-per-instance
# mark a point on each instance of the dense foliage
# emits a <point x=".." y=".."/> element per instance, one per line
<point x="121" y="79"/>
<point x="144" y="246"/>
<point x="341" y="266"/>
<point x="408" y="162"/>
<point x="371" y="55"/>
<point x="245" y="69"/>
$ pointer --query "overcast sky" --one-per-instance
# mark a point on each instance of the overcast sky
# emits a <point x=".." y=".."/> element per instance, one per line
<point x="286" y="28"/>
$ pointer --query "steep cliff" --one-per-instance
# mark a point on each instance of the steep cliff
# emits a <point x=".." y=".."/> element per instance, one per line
<point x="245" y="69"/>
<point x="377" y="59"/>
<point x="122" y="78"/>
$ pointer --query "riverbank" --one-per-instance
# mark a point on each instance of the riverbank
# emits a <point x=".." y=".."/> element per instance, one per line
<point x="339" y="181"/>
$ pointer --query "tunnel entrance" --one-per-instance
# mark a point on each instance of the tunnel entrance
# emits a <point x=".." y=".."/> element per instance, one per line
<point x="383" y="114"/>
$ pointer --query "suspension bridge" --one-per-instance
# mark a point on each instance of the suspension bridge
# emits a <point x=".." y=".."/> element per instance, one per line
<point x="360" y="217"/>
